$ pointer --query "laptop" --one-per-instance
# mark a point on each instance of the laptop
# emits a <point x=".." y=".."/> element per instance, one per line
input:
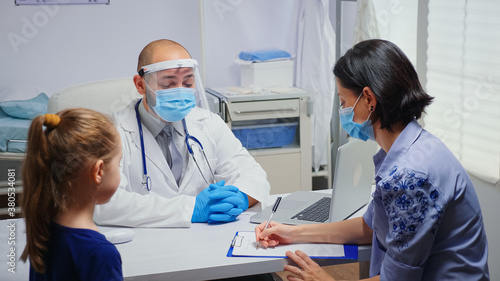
<point x="352" y="184"/>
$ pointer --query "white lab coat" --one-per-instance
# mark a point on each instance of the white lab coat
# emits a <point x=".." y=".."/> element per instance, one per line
<point x="169" y="205"/>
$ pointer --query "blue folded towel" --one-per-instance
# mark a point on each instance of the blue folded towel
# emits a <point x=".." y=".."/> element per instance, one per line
<point x="264" y="55"/>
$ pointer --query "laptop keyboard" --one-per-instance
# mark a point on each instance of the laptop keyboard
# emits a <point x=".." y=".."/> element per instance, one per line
<point x="317" y="212"/>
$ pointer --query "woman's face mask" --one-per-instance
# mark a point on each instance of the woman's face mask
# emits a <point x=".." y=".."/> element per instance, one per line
<point x="172" y="104"/>
<point x="362" y="131"/>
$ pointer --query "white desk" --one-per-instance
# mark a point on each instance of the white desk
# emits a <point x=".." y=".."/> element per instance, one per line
<point x="196" y="253"/>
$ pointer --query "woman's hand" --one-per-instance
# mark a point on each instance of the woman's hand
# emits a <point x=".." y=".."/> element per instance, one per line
<point x="306" y="268"/>
<point x="276" y="233"/>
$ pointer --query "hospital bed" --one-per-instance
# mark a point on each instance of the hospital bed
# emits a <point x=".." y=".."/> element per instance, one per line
<point x="15" y="119"/>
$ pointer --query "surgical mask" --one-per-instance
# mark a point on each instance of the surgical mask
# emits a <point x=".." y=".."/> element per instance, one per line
<point x="173" y="104"/>
<point x="362" y="131"/>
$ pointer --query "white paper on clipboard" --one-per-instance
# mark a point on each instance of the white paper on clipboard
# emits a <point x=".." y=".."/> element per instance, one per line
<point x="244" y="245"/>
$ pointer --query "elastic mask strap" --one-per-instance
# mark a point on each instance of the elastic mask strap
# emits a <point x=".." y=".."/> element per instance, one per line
<point x="152" y="102"/>
<point x="357" y="101"/>
<point x="371" y="111"/>
<point x="368" y="118"/>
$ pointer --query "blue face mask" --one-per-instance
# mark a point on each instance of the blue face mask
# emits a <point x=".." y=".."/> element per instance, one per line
<point x="362" y="131"/>
<point x="174" y="104"/>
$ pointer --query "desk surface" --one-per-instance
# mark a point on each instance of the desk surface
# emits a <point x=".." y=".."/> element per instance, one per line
<point x="196" y="253"/>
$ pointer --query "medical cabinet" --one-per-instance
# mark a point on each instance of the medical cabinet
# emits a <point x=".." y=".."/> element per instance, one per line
<point x="274" y="126"/>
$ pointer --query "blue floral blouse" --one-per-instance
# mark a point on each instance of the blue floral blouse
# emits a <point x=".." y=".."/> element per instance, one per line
<point x="425" y="215"/>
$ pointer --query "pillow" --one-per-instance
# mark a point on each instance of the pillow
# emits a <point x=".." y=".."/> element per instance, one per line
<point x="26" y="109"/>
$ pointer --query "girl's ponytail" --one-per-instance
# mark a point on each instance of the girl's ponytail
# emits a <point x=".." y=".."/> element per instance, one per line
<point x="37" y="204"/>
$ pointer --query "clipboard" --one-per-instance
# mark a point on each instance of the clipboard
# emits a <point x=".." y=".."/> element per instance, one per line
<point x="244" y="245"/>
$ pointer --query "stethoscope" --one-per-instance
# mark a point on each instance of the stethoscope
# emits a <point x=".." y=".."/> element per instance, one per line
<point x="146" y="180"/>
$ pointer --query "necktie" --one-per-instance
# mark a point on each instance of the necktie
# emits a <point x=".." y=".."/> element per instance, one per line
<point x="172" y="155"/>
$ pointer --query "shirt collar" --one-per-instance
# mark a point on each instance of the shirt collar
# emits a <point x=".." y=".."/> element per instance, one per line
<point x="385" y="162"/>
<point x="153" y="124"/>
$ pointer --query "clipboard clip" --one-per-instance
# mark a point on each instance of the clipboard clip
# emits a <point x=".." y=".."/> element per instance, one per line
<point x="237" y="241"/>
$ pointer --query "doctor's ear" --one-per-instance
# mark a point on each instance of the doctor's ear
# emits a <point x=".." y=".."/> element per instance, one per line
<point x="140" y="85"/>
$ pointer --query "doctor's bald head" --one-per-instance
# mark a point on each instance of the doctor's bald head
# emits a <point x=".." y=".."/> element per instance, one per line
<point x="161" y="50"/>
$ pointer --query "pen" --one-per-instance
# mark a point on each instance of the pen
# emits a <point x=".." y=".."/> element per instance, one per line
<point x="275" y="207"/>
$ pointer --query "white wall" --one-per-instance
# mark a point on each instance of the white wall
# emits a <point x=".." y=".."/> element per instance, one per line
<point x="489" y="196"/>
<point x="237" y="25"/>
<point x="47" y="48"/>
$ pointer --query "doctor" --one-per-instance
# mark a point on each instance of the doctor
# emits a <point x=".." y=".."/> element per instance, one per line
<point x="181" y="163"/>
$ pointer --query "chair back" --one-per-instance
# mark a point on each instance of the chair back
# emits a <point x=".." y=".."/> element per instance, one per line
<point x="105" y="96"/>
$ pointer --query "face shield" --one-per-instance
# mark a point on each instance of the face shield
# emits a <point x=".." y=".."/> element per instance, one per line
<point x="174" y="76"/>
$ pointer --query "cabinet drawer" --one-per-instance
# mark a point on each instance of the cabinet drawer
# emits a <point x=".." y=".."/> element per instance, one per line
<point x="264" y="109"/>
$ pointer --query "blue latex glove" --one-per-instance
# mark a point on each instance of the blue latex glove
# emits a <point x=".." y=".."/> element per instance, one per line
<point x="223" y="212"/>
<point x="201" y="212"/>
<point x="242" y="203"/>
<point x="218" y="203"/>
<point x="231" y="204"/>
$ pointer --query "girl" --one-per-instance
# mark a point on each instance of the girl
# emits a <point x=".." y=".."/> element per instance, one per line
<point x="71" y="164"/>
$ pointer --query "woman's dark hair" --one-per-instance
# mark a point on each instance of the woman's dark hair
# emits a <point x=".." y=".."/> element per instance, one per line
<point x="385" y="69"/>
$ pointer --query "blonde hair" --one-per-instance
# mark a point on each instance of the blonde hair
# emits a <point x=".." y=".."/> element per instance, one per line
<point x="71" y="140"/>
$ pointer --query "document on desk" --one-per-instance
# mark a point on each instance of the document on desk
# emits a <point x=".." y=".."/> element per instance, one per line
<point x="244" y="245"/>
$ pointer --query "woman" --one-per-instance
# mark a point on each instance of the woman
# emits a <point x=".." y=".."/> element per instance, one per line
<point x="424" y="222"/>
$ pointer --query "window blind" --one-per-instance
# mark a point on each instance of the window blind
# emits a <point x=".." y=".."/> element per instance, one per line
<point x="463" y="76"/>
